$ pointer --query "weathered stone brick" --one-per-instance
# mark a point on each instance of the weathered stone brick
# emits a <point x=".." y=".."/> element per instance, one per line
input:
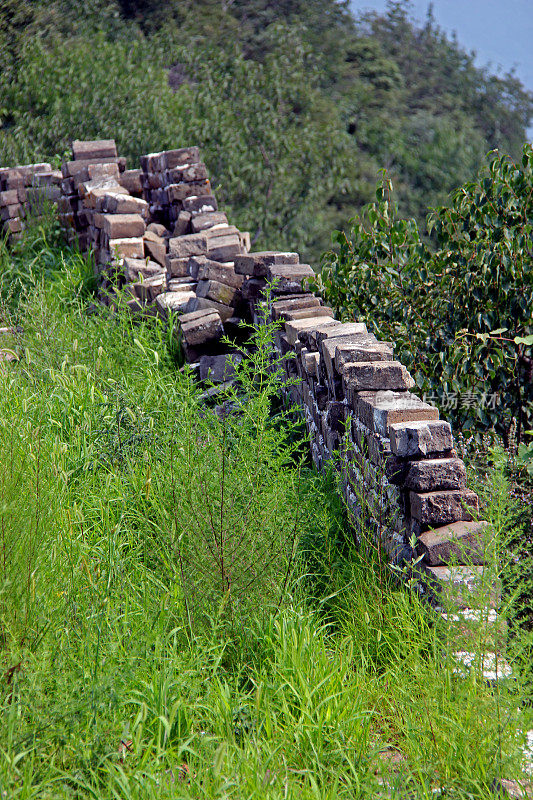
<point x="436" y="473"/>
<point x="177" y="267"/>
<point x="290" y="278"/>
<point x="156" y="247"/>
<point x="192" y="244"/>
<point x="459" y="542"/>
<point x="183" y="223"/>
<point x="200" y="303"/>
<point x="177" y="192"/>
<point x="434" y="509"/>
<point x="130" y="180"/>
<point x="190" y="172"/>
<point x="220" y="292"/>
<point x="223" y="247"/>
<point x="173" y="301"/>
<point x="121" y="203"/>
<point x="419" y="438"/>
<point x="9" y="197"/>
<point x="305" y="313"/>
<point x="218" y="271"/>
<point x="379" y="410"/>
<point x="294" y="329"/>
<point x="134" y="268"/>
<point x="303" y="301"/>
<point x="201" y="326"/>
<point x="123" y="226"/>
<point x="461" y="586"/>
<point x="376" y="376"/>
<point x="124" y="248"/>
<point x="202" y="222"/>
<point x="170" y="159"/>
<point x="98" y="148"/>
<point x="256" y="264"/>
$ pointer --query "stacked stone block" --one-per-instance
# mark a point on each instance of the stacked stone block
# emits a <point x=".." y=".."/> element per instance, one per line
<point x="22" y="191"/>
<point x="95" y="167"/>
<point x="196" y="245"/>
<point x="399" y="472"/>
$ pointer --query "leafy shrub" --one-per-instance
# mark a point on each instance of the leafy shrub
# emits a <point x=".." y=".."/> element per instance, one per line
<point x="459" y="313"/>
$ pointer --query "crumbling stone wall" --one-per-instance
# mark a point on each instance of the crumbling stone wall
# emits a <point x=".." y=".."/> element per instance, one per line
<point x="157" y="232"/>
<point x="22" y="190"/>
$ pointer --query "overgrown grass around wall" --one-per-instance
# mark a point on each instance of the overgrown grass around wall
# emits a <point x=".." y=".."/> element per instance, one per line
<point x="132" y="664"/>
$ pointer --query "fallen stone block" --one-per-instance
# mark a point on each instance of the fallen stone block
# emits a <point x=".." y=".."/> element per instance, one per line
<point x="183" y="223"/>
<point x="11" y="212"/>
<point x="126" y="248"/>
<point x="192" y="244"/>
<point x="158" y="229"/>
<point x="218" y="369"/>
<point x="223" y="247"/>
<point x="9" y="197"/>
<point x="170" y="159"/>
<point x="280" y="308"/>
<point x="130" y="180"/>
<point x="305" y="313"/>
<point x="147" y="290"/>
<point x="120" y="203"/>
<point x="177" y="192"/>
<point x="217" y="271"/>
<point x="202" y="303"/>
<point x="181" y="285"/>
<point x="459" y="542"/>
<point x="177" y="267"/>
<point x="341" y="329"/>
<point x="368" y="350"/>
<point x="220" y="292"/>
<point x="290" y="279"/>
<point x="156" y="247"/>
<point x="13" y="225"/>
<point x="460" y="586"/>
<point x="295" y="328"/>
<point x="188" y="173"/>
<point x="200" y="327"/>
<point x="136" y="268"/>
<point x="173" y="301"/>
<point x="256" y="264"/>
<point x="202" y="222"/>
<point x="71" y="168"/>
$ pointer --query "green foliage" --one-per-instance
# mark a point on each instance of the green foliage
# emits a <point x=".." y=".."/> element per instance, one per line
<point x="295" y="105"/>
<point x="460" y="314"/>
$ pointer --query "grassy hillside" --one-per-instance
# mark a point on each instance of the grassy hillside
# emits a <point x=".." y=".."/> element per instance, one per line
<point x="133" y="665"/>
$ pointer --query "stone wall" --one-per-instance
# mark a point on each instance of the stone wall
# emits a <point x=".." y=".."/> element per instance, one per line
<point x="158" y="234"/>
<point x="22" y="190"/>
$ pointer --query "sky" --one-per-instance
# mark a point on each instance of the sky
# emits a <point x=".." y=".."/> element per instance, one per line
<point x="500" y="31"/>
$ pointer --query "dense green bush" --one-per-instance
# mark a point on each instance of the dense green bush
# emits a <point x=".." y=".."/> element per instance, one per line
<point x="459" y="312"/>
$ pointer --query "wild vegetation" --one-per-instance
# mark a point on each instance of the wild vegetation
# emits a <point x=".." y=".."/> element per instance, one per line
<point x="183" y="609"/>
<point x="296" y="105"/>
<point x="133" y="663"/>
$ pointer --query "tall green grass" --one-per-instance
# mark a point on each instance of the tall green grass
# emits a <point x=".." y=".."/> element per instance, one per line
<point x="132" y="665"/>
